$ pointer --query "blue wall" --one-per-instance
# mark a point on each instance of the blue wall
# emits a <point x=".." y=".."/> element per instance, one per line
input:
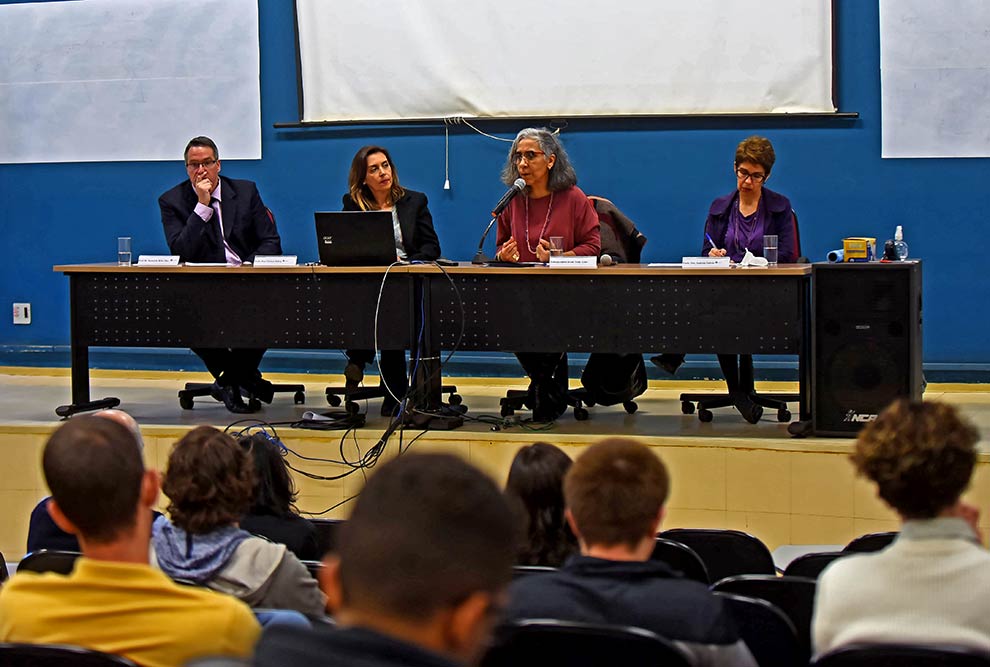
<point x="663" y="174"/>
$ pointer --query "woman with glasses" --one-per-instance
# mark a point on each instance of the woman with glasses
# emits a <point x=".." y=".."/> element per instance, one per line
<point x="737" y="222"/>
<point x="551" y="206"/>
<point x="373" y="185"/>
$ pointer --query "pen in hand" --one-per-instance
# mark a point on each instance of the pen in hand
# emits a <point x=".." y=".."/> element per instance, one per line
<point x="708" y="236"/>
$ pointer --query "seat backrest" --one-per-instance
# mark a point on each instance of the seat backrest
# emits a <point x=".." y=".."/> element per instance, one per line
<point x="543" y="642"/>
<point x="313" y="567"/>
<point x="895" y="655"/>
<point x="51" y="655"/>
<point x="871" y="542"/>
<point x="3" y="569"/>
<point x="523" y="571"/>
<point x="767" y="631"/>
<point x="811" y="565"/>
<point x="47" y="560"/>
<point x="619" y="235"/>
<point x="795" y="596"/>
<point x="681" y="558"/>
<point x="326" y="533"/>
<point x="725" y="553"/>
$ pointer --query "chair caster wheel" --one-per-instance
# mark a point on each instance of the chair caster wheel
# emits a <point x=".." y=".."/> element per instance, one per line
<point x="185" y="402"/>
<point x="590" y="404"/>
<point x="299" y="398"/>
<point x="253" y="404"/>
<point x="687" y="408"/>
<point x="455" y="399"/>
<point x="630" y="407"/>
<point x="783" y="415"/>
<point x="580" y="414"/>
<point x="351" y="408"/>
<point x="705" y="415"/>
<point x="507" y="411"/>
<point x="333" y="400"/>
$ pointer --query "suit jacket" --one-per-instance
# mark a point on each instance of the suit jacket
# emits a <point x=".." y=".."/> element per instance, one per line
<point x="779" y="222"/>
<point x="247" y="223"/>
<point x="419" y="239"/>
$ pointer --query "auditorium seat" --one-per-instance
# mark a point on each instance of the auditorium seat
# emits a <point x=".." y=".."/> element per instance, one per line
<point x="871" y="542"/>
<point x="522" y="571"/>
<point x="542" y="642"/>
<point x="767" y="631"/>
<point x="50" y="655"/>
<point x="326" y="533"/>
<point x="725" y="552"/>
<point x="48" y="560"/>
<point x="681" y="558"/>
<point x="3" y="569"/>
<point x="811" y="565"/>
<point x="896" y="655"/>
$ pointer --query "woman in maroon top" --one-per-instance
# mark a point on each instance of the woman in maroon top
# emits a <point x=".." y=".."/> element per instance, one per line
<point x="551" y="206"/>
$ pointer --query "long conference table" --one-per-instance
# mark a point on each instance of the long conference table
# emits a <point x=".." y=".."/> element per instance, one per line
<point x="624" y="308"/>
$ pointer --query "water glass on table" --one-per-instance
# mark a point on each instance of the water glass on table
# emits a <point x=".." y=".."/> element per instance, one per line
<point x="770" y="249"/>
<point x="556" y="246"/>
<point x="123" y="251"/>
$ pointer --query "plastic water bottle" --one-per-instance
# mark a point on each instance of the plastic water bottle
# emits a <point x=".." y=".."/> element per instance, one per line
<point x="899" y="245"/>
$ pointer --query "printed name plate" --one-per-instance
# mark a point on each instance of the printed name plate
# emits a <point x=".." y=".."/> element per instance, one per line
<point x="573" y="262"/>
<point x="158" y="260"/>
<point x="710" y="262"/>
<point x="274" y="260"/>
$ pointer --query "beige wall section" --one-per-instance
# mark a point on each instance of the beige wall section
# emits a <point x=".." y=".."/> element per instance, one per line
<point x="788" y="492"/>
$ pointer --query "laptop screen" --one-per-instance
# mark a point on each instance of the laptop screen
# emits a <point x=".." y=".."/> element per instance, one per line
<point x="355" y="238"/>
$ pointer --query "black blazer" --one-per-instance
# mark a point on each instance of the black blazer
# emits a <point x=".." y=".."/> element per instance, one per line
<point x="248" y="225"/>
<point x="419" y="239"/>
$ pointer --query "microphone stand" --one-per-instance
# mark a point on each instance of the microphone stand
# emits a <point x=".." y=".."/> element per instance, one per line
<point x="480" y="257"/>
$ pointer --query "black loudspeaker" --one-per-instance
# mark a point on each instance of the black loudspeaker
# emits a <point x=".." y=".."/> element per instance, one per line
<point x="866" y="342"/>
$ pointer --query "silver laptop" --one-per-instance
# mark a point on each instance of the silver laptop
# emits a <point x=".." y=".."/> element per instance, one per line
<point x="355" y="238"/>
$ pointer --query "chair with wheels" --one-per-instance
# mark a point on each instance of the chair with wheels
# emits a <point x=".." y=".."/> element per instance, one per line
<point x="903" y="655"/>
<point x="766" y="630"/>
<point x="812" y="565"/>
<point x="681" y="558"/>
<point x="795" y="596"/>
<point x="543" y="642"/>
<point x="708" y="402"/>
<point x="725" y="552"/>
<point x="871" y="542"/>
<point x="57" y="655"/>
<point x="197" y="389"/>
<point x="48" y="560"/>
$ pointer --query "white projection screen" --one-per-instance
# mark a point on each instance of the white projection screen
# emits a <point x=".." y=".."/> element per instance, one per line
<point x="418" y="59"/>
<point x="126" y="80"/>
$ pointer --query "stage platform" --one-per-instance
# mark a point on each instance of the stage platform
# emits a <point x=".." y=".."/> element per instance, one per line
<point x="725" y="474"/>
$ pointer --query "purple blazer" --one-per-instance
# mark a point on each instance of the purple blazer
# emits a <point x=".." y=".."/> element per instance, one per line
<point x="780" y="222"/>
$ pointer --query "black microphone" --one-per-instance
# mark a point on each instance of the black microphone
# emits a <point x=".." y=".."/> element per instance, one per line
<point x="518" y="186"/>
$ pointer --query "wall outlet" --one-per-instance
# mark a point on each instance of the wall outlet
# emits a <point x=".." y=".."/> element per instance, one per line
<point x="22" y="313"/>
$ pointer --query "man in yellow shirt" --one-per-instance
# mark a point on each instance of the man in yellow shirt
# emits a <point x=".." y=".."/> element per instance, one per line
<point x="114" y="601"/>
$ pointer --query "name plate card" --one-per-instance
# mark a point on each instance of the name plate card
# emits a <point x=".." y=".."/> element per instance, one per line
<point x="573" y="262"/>
<point x="708" y="262"/>
<point x="274" y="260"/>
<point x="158" y="260"/>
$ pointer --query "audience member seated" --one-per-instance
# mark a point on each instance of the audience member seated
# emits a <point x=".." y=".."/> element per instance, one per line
<point x="930" y="585"/>
<point x="615" y="494"/>
<point x="43" y="533"/>
<point x="419" y="574"/>
<point x="273" y="513"/>
<point x="114" y="601"/>
<point x="210" y="483"/>
<point x="536" y="487"/>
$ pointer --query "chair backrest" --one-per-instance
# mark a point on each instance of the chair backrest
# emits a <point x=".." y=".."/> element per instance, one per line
<point x="3" y="569"/>
<point x="767" y="631"/>
<point x="523" y="571"/>
<point x="51" y="655"/>
<point x="619" y="235"/>
<point x="896" y="655"/>
<point x="681" y="558"/>
<point x="871" y="542"/>
<point x="795" y="596"/>
<point x="326" y="533"/>
<point x="543" y="642"/>
<point x="313" y="567"/>
<point x="811" y="565"/>
<point x="46" y="560"/>
<point x="725" y="553"/>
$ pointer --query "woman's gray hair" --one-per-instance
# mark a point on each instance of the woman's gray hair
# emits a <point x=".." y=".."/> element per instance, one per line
<point x="561" y="177"/>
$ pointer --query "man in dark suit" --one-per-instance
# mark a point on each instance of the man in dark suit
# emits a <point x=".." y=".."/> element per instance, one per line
<point x="210" y="218"/>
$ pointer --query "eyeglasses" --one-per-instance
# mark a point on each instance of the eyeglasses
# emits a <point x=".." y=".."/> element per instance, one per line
<point x="529" y="156"/>
<point x="194" y="166"/>
<point x="757" y="177"/>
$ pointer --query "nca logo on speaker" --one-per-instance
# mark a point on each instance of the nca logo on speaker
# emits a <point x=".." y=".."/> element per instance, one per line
<point x="859" y="417"/>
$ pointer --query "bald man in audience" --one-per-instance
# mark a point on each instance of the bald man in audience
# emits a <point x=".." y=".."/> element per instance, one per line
<point x="614" y="496"/>
<point x="43" y="533"/>
<point x="419" y="574"/>
<point x="932" y="585"/>
<point x="114" y="601"/>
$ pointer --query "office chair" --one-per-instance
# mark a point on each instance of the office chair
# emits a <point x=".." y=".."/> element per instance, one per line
<point x="543" y="642"/>
<point x="708" y="402"/>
